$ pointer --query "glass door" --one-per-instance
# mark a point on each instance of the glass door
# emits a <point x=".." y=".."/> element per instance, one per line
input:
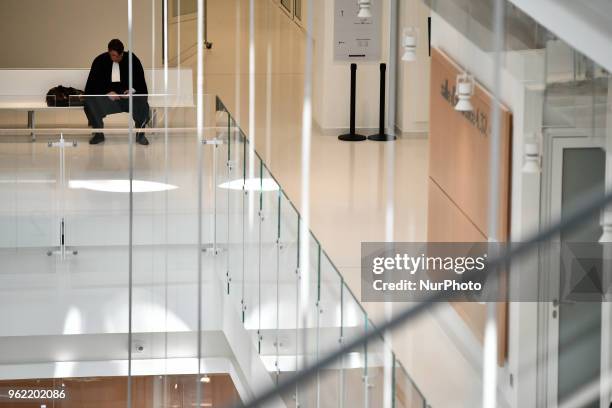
<point x="574" y="344"/>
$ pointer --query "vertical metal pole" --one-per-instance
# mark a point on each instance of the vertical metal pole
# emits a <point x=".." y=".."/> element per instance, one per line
<point x="393" y="64"/>
<point x="381" y="136"/>
<point x="341" y="341"/>
<point x="298" y="306"/>
<point x="351" y="136"/>
<point x="353" y="96"/>
<point x="252" y="129"/>
<point x="165" y="57"/>
<point x="304" y="243"/>
<point x="153" y="34"/>
<point x="268" y="149"/>
<point x="318" y="338"/>
<point x="131" y="202"/>
<point x="390" y="161"/>
<point x="178" y="39"/>
<point x="228" y="198"/>
<point x="278" y="248"/>
<point x="214" y="186"/>
<point x="200" y="138"/>
<point x="205" y="23"/>
<point x="381" y="103"/>
<point x="366" y="379"/>
<point x="489" y="375"/>
<point x="63" y="187"/>
<point x="259" y="258"/>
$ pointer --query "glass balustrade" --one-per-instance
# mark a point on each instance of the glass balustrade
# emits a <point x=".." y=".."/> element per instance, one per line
<point x="263" y="280"/>
<point x="141" y="256"/>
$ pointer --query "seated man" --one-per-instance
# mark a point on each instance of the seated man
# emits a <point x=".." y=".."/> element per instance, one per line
<point x="109" y="75"/>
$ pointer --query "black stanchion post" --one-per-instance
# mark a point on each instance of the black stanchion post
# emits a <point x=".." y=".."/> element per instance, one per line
<point x="352" y="136"/>
<point x="381" y="136"/>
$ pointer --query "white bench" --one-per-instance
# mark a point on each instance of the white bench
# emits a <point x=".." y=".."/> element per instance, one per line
<point x="26" y="89"/>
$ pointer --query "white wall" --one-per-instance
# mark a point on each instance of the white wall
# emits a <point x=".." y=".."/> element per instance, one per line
<point x="521" y="82"/>
<point x="70" y="33"/>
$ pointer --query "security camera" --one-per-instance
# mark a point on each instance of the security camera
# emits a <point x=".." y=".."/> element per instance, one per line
<point x="139" y="347"/>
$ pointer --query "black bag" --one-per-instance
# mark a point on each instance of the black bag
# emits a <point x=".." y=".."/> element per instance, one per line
<point x="64" y="96"/>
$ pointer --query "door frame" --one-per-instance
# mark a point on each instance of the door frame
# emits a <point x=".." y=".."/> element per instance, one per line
<point x="555" y="142"/>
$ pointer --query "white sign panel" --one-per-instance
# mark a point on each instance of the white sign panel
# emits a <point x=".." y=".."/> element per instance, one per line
<point x="356" y="38"/>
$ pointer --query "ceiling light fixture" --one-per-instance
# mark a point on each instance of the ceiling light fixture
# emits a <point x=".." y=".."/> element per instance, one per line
<point x="252" y="184"/>
<point x="120" y="186"/>
<point x="464" y="90"/>
<point x="365" y="9"/>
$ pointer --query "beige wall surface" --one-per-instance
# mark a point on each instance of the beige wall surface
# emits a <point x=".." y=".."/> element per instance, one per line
<point x="70" y="33"/>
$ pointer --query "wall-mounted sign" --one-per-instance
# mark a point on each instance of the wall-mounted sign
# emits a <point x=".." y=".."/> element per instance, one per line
<point x="356" y="38"/>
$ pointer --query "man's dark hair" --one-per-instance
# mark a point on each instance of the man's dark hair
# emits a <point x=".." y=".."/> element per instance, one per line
<point x="116" y="45"/>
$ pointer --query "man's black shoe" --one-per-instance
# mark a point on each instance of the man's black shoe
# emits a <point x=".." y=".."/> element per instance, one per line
<point x="141" y="139"/>
<point x="97" y="138"/>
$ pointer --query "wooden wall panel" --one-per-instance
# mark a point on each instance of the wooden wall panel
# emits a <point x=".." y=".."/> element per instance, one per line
<point x="459" y="178"/>
<point x="459" y="147"/>
<point x="446" y="222"/>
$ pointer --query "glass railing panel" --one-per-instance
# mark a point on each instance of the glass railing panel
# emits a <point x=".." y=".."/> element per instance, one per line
<point x="308" y="393"/>
<point x="288" y="310"/>
<point x="221" y="175"/>
<point x="353" y="322"/>
<point x="378" y="377"/>
<point x="31" y="192"/>
<point x="223" y="193"/>
<point x="329" y="331"/>
<point x="405" y="393"/>
<point x="252" y="250"/>
<point x="99" y="194"/>
<point x="269" y="273"/>
<point x="32" y="200"/>
<point x="236" y="204"/>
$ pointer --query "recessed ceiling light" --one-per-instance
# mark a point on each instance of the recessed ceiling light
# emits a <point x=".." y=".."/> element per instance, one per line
<point x="120" y="186"/>
<point x="252" y="184"/>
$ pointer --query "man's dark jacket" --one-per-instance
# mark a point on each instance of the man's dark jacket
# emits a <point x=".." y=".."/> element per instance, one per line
<point x="99" y="80"/>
